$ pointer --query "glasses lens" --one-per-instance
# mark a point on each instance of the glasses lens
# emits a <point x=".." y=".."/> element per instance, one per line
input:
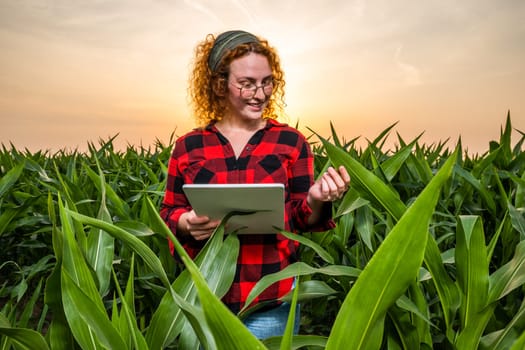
<point x="268" y="88"/>
<point x="248" y="91"/>
<point x="251" y="90"/>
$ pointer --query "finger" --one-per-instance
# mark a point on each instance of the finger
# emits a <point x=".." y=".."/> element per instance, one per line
<point x="336" y="184"/>
<point x="325" y="186"/>
<point x="199" y="235"/>
<point x="337" y="178"/>
<point x="327" y="189"/>
<point x="344" y="174"/>
<point x="198" y="220"/>
<point x="331" y="182"/>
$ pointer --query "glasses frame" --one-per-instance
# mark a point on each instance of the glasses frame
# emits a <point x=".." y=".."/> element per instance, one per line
<point x="249" y="90"/>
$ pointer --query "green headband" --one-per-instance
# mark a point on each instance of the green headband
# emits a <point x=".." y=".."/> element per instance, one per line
<point x="228" y="41"/>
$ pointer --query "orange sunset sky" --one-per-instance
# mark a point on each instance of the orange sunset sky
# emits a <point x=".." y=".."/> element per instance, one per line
<point x="78" y="71"/>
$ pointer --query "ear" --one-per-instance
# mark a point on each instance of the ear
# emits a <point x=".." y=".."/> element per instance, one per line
<point x="220" y="87"/>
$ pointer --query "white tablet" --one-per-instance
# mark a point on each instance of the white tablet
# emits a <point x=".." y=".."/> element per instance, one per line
<point x="263" y="203"/>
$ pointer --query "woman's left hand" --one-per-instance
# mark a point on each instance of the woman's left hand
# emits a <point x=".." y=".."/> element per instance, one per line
<point x="331" y="186"/>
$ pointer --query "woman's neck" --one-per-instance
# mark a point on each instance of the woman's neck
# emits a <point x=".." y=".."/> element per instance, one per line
<point x="231" y="125"/>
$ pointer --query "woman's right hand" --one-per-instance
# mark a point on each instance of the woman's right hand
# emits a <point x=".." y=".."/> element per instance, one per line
<point x="199" y="227"/>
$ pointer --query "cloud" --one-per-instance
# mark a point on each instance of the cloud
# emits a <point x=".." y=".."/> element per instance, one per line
<point x="206" y="11"/>
<point x="411" y="73"/>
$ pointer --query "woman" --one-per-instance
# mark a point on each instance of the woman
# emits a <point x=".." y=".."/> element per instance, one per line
<point x="237" y="91"/>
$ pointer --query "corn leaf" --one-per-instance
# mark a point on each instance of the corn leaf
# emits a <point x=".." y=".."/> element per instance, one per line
<point x="393" y="267"/>
<point x="127" y="324"/>
<point x="24" y="338"/>
<point x="120" y="205"/>
<point x="293" y="270"/>
<point x="217" y="261"/>
<point x="298" y="342"/>
<point x="518" y="220"/>
<point x="100" y="245"/>
<point x="504" y="338"/>
<point x="310" y="290"/>
<point x="366" y="183"/>
<point x="139" y="247"/>
<point x="217" y="265"/>
<point x="520" y="343"/>
<point x="364" y="225"/>
<point x="59" y="334"/>
<point x="508" y="277"/>
<point x="392" y="165"/>
<point x="228" y="331"/>
<point x="486" y="195"/>
<point x="73" y="260"/>
<point x="10" y="178"/>
<point x="90" y="325"/>
<point x="473" y="279"/>
<point x="447" y="290"/>
<point x="311" y="244"/>
<point x="290" y="323"/>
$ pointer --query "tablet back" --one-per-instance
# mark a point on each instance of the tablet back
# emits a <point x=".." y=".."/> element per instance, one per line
<point x="264" y="202"/>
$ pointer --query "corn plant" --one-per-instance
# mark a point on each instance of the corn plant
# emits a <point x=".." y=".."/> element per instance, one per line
<point x="428" y="253"/>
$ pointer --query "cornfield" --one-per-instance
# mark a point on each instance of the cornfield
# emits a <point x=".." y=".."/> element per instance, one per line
<point x="428" y="253"/>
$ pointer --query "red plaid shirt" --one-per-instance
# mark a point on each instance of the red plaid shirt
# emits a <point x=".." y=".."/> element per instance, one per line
<point x="276" y="154"/>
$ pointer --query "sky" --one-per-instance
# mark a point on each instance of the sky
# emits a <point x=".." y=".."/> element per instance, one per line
<point x="75" y="71"/>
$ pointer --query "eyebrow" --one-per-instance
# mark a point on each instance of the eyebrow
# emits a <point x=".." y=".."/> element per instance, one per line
<point x="253" y="79"/>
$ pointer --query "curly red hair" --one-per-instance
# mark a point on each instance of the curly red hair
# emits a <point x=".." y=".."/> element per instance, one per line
<point x="207" y="87"/>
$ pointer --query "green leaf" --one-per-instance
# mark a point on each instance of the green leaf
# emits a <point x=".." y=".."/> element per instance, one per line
<point x="310" y="290"/>
<point x="90" y="325"/>
<point x="290" y="323"/>
<point x="100" y="245"/>
<point x="448" y="291"/>
<point x="217" y="263"/>
<point x="518" y="220"/>
<point x="120" y="205"/>
<point x="10" y="178"/>
<point x="392" y="165"/>
<point x="139" y="247"/>
<point x="393" y="267"/>
<point x="73" y="260"/>
<point x="364" y="225"/>
<point x="128" y="327"/>
<point x="486" y="195"/>
<point x="6" y="217"/>
<point x="365" y="181"/>
<point x="24" y="338"/>
<point x="298" y="342"/>
<point x="311" y="244"/>
<point x="228" y="331"/>
<point x="293" y="270"/>
<point x="501" y="339"/>
<point x="508" y="277"/>
<point x="407" y="304"/>
<point x="473" y="279"/>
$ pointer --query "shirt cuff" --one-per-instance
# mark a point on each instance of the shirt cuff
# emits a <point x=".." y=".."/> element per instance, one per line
<point x="325" y="221"/>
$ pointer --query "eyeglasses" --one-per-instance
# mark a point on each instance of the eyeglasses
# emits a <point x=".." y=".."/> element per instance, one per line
<point x="249" y="90"/>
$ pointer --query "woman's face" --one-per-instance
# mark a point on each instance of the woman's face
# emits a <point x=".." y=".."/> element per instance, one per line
<point x="250" y="86"/>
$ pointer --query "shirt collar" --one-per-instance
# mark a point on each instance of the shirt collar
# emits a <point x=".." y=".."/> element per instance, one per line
<point x="269" y="124"/>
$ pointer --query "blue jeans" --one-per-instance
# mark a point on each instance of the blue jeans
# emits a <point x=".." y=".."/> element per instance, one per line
<point x="270" y="323"/>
